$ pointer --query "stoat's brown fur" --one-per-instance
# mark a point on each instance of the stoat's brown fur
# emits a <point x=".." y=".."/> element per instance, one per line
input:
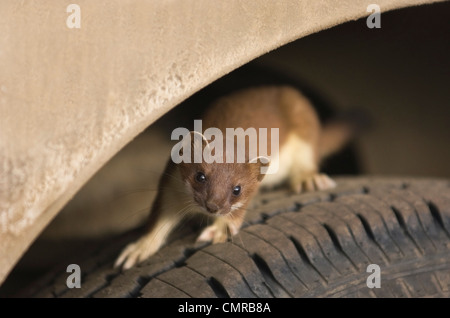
<point x="301" y="144"/>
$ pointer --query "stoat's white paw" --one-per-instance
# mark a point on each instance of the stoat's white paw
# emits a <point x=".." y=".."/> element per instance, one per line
<point x="213" y="233"/>
<point x="135" y="253"/>
<point x="318" y="181"/>
<point x="218" y="232"/>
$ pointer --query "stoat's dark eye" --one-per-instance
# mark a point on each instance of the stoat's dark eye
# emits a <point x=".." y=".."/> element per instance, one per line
<point x="200" y="177"/>
<point x="237" y="190"/>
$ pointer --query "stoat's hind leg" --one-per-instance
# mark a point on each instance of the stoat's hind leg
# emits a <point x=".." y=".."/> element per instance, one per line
<point x="302" y="144"/>
<point x="312" y="182"/>
<point x="305" y="174"/>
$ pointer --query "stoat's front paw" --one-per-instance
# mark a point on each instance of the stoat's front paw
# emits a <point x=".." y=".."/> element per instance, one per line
<point x="218" y="232"/>
<point x="135" y="253"/>
<point x="213" y="233"/>
<point x="318" y="181"/>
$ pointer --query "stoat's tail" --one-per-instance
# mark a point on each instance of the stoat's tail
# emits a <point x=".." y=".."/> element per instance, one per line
<point x="338" y="132"/>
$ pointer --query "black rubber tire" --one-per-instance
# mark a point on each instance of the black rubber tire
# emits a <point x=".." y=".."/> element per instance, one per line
<point x="311" y="245"/>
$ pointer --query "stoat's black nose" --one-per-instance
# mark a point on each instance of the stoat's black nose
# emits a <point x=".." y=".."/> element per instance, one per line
<point x="212" y="207"/>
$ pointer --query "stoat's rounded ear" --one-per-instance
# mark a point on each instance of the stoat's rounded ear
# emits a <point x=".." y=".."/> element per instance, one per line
<point x="262" y="164"/>
<point x="194" y="141"/>
<point x="198" y="140"/>
<point x="190" y="148"/>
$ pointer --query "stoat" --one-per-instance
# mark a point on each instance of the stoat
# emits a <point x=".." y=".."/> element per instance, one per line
<point x="224" y="190"/>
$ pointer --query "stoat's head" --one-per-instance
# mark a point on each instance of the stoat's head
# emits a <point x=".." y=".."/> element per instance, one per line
<point x="221" y="188"/>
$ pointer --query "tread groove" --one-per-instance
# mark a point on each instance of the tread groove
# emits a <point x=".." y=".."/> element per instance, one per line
<point x="318" y="244"/>
<point x="420" y="221"/>
<point x="336" y="243"/>
<point x="356" y="242"/>
<point x="172" y="285"/>
<point x="437" y="216"/>
<point x="217" y="288"/>
<point x="284" y="258"/>
<point x="272" y="284"/>
<point x="236" y="269"/>
<point x="351" y="233"/>
<point x="301" y="251"/>
<point x="370" y="234"/>
<point x="142" y="281"/>
<point x="408" y="199"/>
<point x="385" y="226"/>
<point x="108" y="279"/>
<point x="405" y="229"/>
